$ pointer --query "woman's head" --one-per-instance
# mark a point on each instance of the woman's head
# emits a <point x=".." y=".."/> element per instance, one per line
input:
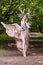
<point x="25" y="17"/>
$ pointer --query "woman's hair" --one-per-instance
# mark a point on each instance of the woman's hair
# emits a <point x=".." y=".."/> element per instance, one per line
<point x="24" y="15"/>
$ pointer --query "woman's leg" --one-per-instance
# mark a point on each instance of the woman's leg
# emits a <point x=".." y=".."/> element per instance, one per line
<point x="24" y="48"/>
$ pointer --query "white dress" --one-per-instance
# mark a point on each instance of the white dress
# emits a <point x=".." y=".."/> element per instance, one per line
<point x="18" y="33"/>
<point x="26" y="27"/>
<point x="14" y="29"/>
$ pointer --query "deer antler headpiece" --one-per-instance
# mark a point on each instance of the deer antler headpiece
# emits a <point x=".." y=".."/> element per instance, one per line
<point x="22" y="13"/>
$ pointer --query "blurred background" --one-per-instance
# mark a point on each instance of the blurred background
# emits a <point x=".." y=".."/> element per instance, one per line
<point x="9" y="10"/>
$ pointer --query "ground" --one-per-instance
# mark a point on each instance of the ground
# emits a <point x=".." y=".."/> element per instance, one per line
<point x="14" y="57"/>
<point x="19" y="60"/>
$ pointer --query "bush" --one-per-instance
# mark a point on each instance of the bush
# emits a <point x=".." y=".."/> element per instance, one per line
<point x="4" y="37"/>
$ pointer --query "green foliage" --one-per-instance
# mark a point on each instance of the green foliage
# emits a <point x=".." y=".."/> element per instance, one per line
<point x="5" y="37"/>
<point x="10" y="8"/>
<point x="41" y="35"/>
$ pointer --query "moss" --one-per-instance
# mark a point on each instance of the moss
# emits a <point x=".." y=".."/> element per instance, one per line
<point x="41" y="35"/>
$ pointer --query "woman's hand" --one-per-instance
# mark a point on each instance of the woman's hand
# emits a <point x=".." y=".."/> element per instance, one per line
<point x="23" y="29"/>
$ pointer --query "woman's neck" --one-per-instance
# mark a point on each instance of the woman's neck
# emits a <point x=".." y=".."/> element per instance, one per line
<point x="24" y="20"/>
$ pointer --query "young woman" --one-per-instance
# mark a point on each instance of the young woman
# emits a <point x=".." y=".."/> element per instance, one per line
<point x="25" y="33"/>
<point x="19" y="33"/>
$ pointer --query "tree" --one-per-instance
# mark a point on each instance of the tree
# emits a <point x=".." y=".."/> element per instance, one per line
<point x="10" y="8"/>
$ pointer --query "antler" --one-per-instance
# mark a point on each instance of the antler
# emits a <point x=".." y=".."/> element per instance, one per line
<point x="28" y="13"/>
<point x="22" y="13"/>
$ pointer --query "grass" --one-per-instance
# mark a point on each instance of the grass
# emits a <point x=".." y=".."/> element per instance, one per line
<point x="41" y="35"/>
<point x="4" y="36"/>
<point x="2" y="48"/>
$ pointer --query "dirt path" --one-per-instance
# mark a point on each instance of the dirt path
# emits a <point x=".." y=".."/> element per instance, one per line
<point x="19" y="60"/>
<point x="14" y="57"/>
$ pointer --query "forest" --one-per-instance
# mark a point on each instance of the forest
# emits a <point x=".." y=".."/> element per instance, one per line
<point x="9" y="10"/>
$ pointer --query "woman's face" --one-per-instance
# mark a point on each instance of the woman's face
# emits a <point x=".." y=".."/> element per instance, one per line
<point x="25" y="18"/>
